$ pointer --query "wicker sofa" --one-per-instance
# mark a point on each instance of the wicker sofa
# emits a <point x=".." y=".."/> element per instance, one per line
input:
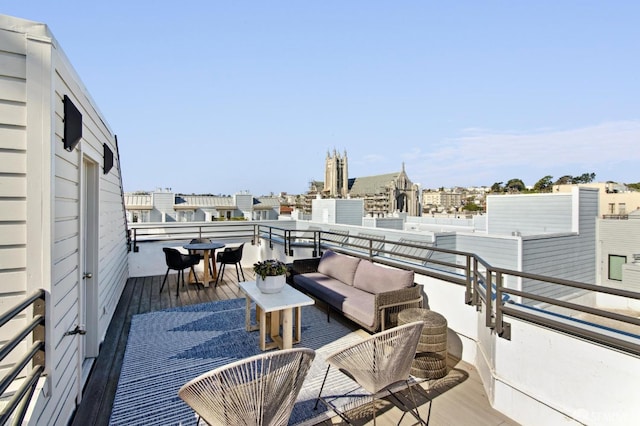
<point x="368" y="294"/>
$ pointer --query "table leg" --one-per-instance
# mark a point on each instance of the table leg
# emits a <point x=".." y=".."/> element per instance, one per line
<point x="213" y="261"/>
<point x="275" y="325"/>
<point x="263" y="330"/>
<point x="287" y="328"/>
<point x="247" y="314"/>
<point x="298" y="335"/>
<point x="206" y="278"/>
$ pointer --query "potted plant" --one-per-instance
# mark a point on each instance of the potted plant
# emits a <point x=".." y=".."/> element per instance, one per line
<point x="270" y="275"/>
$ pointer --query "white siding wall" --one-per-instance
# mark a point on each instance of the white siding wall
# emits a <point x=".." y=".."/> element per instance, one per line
<point x="163" y="202"/>
<point x="40" y="203"/>
<point x="528" y="214"/>
<point x="13" y="181"/>
<point x="570" y="257"/>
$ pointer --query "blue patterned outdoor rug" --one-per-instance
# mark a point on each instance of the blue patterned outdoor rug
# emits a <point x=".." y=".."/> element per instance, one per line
<point x="168" y="348"/>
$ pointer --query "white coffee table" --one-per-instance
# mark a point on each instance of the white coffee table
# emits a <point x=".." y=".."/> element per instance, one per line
<point x="276" y="304"/>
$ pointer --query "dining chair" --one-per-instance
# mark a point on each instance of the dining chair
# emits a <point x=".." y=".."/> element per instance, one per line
<point x="230" y="256"/>
<point x="259" y="390"/>
<point x="179" y="262"/>
<point x="378" y="363"/>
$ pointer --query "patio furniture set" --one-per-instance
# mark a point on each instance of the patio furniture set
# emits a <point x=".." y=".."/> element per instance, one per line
<point x="263" y="389"/>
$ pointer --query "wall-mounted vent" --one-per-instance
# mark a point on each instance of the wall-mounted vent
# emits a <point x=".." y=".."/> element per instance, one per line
<point x="72" y="125"/>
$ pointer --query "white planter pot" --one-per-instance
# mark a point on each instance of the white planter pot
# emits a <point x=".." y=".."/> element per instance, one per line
<point x="271" y="284"/>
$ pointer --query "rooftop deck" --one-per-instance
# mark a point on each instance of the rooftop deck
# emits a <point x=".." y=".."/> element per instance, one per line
<point x="459" y="398"/>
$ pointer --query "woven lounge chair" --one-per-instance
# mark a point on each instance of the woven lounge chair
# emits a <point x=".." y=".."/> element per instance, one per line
<point x="377" y="363"/>
<point x="259" y="390"/>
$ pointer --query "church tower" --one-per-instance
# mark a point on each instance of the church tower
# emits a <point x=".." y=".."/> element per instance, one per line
<point x="336" y="175"/>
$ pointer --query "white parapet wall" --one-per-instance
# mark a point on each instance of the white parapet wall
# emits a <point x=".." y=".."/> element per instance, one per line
<point x="540" y="376"/>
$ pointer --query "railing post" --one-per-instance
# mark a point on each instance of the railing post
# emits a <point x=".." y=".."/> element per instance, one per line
<point x="503" y="329"/>
<point x="470" y="280"/>
<point x="316" y="244"/>
<point x="287" y="243"/>
<point x="39" y="309"/>
<point x="135" y="240"/>
<point x="489" y="299"/>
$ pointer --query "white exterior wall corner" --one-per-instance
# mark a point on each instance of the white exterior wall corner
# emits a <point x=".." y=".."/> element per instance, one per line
<point x="47" y="212"/>
<point x="545" y="377"/>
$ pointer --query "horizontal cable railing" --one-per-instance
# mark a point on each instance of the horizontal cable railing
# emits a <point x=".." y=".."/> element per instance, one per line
<point x="31" y="363"/>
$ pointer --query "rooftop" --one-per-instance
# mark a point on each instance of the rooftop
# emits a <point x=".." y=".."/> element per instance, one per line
<point x="458" y="398"/>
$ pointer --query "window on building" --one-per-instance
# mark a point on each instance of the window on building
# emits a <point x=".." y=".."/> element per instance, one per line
<point x="612" y="208"/>
<point x="615" y="266"/>
<point x="622" y="208"/>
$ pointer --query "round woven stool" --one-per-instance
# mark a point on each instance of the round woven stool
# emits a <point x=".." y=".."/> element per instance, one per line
<point x="431" y="355"/>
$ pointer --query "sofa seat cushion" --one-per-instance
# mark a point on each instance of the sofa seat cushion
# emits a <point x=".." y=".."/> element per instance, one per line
<point x="379" y="279"/>
<point x="338" y="266"/>
<point x="345" y="298"/>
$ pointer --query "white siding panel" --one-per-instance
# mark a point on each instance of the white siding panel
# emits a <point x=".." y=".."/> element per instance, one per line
<point x="66" y="209"/>
<point x="529" y="214"/>
<point x="13" y="186"/>
<point x="12" y="258"/>
<point x="13" y="281"/>
<point x="13" y="234"/>
<point x="13" y="162"/>
<point x="12" y="64"/>
<point x="13" y="89"/>
<point x="12" y="210"/>
<point x="499" y="252"/>
<point x="13" y="138"/>
<point x="571" y="257"/>
<point x="66" y="189"/>
<point x="13" y="114"/>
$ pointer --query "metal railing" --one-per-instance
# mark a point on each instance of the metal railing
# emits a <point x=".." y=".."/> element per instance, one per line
<point x="179" y="231"/>
<point x="16" y="407"/>
<point x="485" y="285"/>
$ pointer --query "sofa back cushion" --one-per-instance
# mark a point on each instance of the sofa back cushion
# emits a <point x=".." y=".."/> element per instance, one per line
<point x="378" y="279"/>
<point x="338" y="266"/>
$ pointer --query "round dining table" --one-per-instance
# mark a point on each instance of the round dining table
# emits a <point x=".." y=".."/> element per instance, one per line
<point x="209" y="250"/>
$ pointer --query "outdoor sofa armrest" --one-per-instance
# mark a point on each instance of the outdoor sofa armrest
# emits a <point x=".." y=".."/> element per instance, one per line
<point x="390" y="303"/>
<point x="303" y="266"/>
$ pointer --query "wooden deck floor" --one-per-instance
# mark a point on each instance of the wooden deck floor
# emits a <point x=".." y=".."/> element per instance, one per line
<point x="457" y="399"/>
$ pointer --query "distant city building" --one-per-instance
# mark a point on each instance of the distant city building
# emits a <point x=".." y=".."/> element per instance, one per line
<point x="165" y="206"/>
<point x="439" y="201"/>
<point x="336" y="176"/>
<point x="382" y="194"/>
<point x="615" y="199"/>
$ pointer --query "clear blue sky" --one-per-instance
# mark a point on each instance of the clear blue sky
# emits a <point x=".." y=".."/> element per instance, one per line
<point x="219" y="97"/>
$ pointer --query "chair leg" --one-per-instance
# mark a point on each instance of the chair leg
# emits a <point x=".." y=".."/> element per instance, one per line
<point x="415" y="406"/>
<point x="180" y="274"/>
<point x="315" y="407"/>
<point x="165" y="279"/>
<point x="195" y="277"/>
<point x="237" y="272"/>
<point x="242" y="272"/>
<point x="220" y="273"/>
